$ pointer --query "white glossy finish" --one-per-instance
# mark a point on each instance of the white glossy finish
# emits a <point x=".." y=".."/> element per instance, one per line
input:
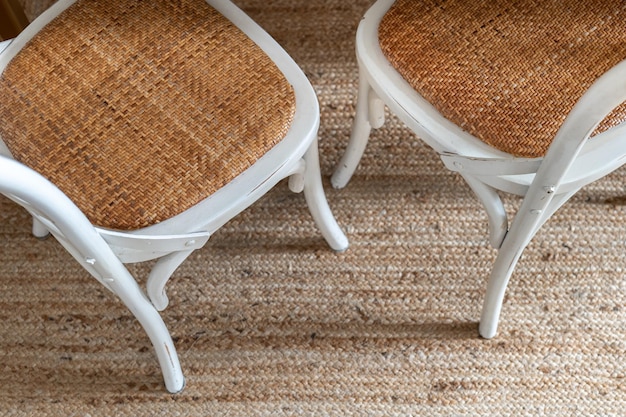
<point x="103" y="252"/>
<point x="546" y="183"/>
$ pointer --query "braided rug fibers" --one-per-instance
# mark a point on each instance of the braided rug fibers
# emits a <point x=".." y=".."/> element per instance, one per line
<point x="269" y="322"/>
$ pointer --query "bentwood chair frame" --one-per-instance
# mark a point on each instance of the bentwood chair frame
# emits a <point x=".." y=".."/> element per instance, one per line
<point x="571" y="162"/>
<point x="103" y="252"/>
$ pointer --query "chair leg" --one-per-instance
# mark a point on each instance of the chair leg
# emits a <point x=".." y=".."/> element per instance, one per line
<point x="522" y="231"/>
<point x="156" y="330"/>
<point x="161" y="273"/>
<point x="108" y="270"/>
<point x="488" y="196"/>
<point x="361" y="129"/>
<point x="507" y="258"/>
<point x="316" y="200"/>
<point x="40" y="231"/>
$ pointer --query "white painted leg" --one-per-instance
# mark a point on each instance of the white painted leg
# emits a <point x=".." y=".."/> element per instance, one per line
<point x="498" y="221"/>
<point x="160" y="274"/>
<point x="361" y="129"/>
<point x="74" y="231"/>
<point x="316" y="200"/>
<point x="296" y="179"/>
<point x="125" y="286"/>
<point x="515" y="241"/>
<point x="108" y="270"/>
<point x="39" y="230"/>
<point x="503" y="267"/>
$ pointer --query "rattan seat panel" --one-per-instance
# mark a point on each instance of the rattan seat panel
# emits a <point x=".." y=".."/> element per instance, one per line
<point x="506" y="72"/>
<point x="139" y="110"/>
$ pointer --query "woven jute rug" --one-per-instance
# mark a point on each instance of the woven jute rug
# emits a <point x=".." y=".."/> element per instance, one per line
<point x="270" y="322"/>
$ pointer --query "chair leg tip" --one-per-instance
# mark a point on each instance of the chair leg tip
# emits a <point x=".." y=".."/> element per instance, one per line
<point x="486" y="331"/>
<point x="177" y="388"/>
<point x="341" y="249"/>
<point x="340" y="245"/>
<point x="337" y="181"/>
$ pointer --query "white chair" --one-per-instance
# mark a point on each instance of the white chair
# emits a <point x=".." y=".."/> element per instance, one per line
<point x="133" y="130"/>
<point x="522" y="97"/>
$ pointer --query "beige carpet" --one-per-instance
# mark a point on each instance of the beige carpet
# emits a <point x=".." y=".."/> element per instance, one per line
<point x="269" y="322"/>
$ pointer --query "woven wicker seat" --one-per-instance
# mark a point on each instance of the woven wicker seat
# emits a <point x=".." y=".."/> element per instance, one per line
<point x="522" y="97"/>
<point x="132" y="130"/>
<point x="517" y="69"/>
<point x="158" y="121"/>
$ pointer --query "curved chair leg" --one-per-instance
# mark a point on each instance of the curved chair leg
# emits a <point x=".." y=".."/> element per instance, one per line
<point x="498" y="221"/>
<point x="316" y="200"/>
<point x="129" y="292"/>
<point x="160" y="274"/>
<point x="361" y="129"/>
<point x="509" y="254"/>
<point x="78" y="236"/>
<point x="108" y="270"/>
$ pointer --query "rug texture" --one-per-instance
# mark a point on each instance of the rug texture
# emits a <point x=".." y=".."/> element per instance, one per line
<point x="268" y="321"/>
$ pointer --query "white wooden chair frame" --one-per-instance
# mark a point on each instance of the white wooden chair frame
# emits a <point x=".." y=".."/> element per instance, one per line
<point x="571" y="162"/>
<point x="103" y="252"/>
